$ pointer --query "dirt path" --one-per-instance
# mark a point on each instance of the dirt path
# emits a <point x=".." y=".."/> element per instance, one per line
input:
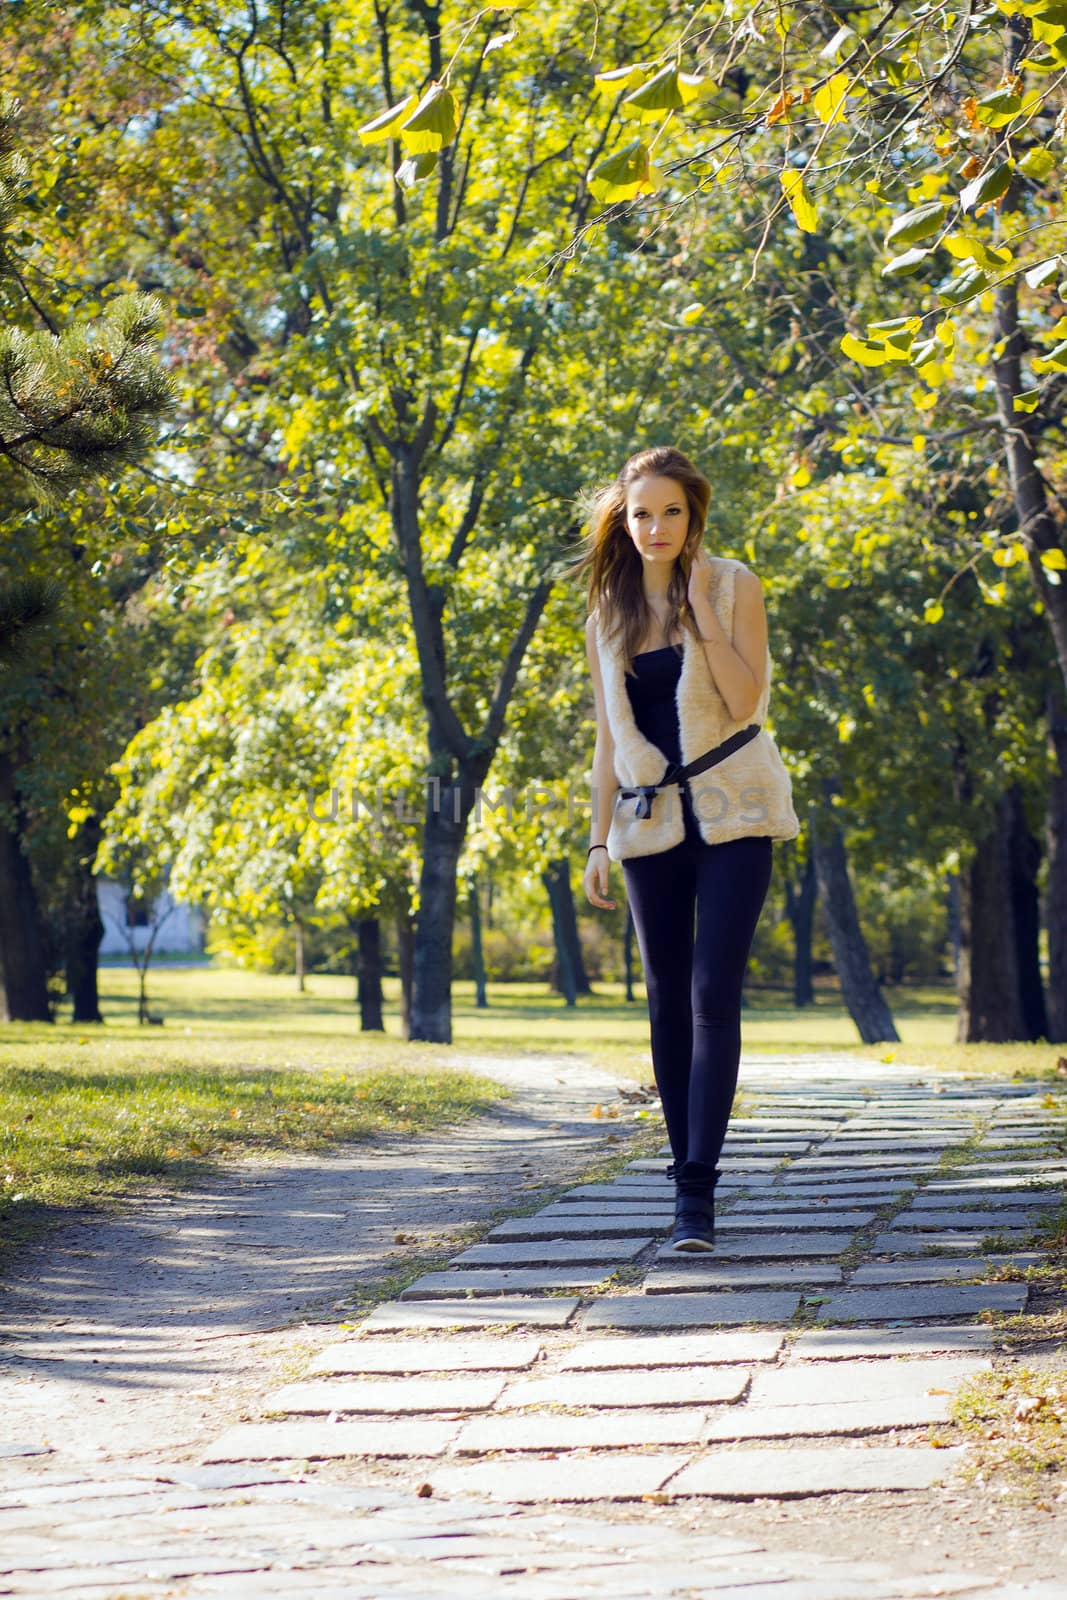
<point x="136" y="1337"/>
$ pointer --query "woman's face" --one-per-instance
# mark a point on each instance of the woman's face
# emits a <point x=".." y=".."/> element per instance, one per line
<point x="657" y="518"/>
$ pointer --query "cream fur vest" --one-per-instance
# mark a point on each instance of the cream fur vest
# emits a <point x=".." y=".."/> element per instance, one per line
<point x="747" y="793"/>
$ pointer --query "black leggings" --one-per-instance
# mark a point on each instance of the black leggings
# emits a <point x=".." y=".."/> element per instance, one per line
<point x="694" y="987"/>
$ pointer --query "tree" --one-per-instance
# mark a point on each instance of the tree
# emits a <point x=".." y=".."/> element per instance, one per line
<point x="76" y="403"/>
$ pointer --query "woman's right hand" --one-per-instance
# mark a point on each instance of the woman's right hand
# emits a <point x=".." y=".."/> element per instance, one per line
<point x="595" y="880"/>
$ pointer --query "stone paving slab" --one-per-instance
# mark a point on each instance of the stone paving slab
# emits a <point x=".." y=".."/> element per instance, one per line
<point x="594" y="1224"/>
<point x="704" y="1272"/>
<point x="678" y="1349"/>
<point x="842" y="1195"/>
<point x="512" y="1311"/>
<point x="323" y="1441"/>
<point x="690" y="1310"/>
<point x="572" y="1252"/>
<point x="498" y="1281"/>
<point x="427" y="1355"/>
<point x="666" y="1386"/>
<point x="902" y="1243"/>
<point x="847" y="1344"/>
<point x="656" y="1178"/>
<point x="750" y="1474"/>
<point x="391" y="1396"/>
<point x="629" y="1194"/>
<point x="1018" y="1169"/>
<point x="757" y="1247"/>
<point x="791" y="1221"/>
<point x="1027" y="1185"/>
<point x="982" y="1222"/>
<point x="599" y="1430"/>
<point x="966" y="1200"/>
<point x="614" y="1477"/>
<point x="954" y="1300"/>
<point x="938" y="1269"/>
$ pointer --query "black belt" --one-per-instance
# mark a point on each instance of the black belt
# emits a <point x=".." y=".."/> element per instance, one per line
<point x="677" y="774"/>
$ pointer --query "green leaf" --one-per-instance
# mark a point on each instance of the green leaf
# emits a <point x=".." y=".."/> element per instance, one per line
<point x="868" y="352"/>
<point x="650" y="100"/>
<point x="831" y="51"/>
<point x="415" y="167"/>
<point x="918" y="224"/>
<point x="1055" y="361"/>
<point x="1043" y="272"/>
<point x="800" y="201"/>
<point x="385" y="124"/>
<point x="989" y="186"/>
<point x="997" y="109"/>
<point x="434" y="121"/>
<point x="620" y="78"/>
<point x="624" y="174"/>
<point x="902" y="266"/>
<point x="971" y="281"/>
<point x="1037" y="163"/>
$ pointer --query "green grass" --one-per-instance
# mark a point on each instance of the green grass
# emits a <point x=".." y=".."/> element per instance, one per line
<point x="528" y="1018"/>
<point x="241" y="1067"/>
<point x="246" y="1064"/>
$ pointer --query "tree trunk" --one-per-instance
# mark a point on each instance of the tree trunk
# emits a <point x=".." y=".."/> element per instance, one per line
<point x="405" y="961"/>
<point x="1056" y="848"/>
<point x="852" y="961"/>
<point x="481" y="999"/>
<point x="369" y="975"/>
<point x="1019" y="435"/>
<point x="298" y="928"/>
<point x="989" y="1001"/>
<point x="565" y="975"/>
<point x="84" y="927"/>
<point x="952" y="914"/>
<point x="1024" y="861"/>
<point x="800" y="909"/>
<point x="573" y="979"/>
<point x="23" y="943"/>
<point x="446" y="825"/>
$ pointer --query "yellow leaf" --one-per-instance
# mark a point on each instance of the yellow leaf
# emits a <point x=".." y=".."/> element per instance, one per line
<point x="1054" y="559"/>
<point x="800" y="201"/>
<point x="385" y="125"/>
<point x="829" y="98"/>
<point x="692" y="312"/>
<point x="846" y="726"/>
<point x="918" y="441"/>
<point x="620" y="78"/>
<point x="934" y="611"/>
<point x="433" y="123"/>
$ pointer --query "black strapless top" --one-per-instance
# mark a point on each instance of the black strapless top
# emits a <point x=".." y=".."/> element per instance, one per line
<point x="652" y="697"/>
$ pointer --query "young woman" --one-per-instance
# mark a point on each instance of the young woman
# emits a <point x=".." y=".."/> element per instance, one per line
<point x="689" y="790"/>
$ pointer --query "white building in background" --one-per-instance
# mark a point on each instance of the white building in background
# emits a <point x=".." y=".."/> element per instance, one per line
<point x="181" y="933"/>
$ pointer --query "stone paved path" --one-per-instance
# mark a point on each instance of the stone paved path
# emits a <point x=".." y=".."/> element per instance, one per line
<point x="569" y="1360"/>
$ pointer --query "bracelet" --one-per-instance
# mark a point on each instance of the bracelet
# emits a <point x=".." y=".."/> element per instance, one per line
<point x="593" y="847"/>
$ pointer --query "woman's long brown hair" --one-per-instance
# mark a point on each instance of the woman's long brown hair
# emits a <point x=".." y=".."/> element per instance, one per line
<point x="612" y="562"/>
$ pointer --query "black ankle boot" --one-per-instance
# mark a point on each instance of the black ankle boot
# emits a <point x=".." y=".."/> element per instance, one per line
<point x="694" y="1207"/>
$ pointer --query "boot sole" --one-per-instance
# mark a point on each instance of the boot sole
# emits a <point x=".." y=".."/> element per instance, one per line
<point x="691" y="1246"/>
